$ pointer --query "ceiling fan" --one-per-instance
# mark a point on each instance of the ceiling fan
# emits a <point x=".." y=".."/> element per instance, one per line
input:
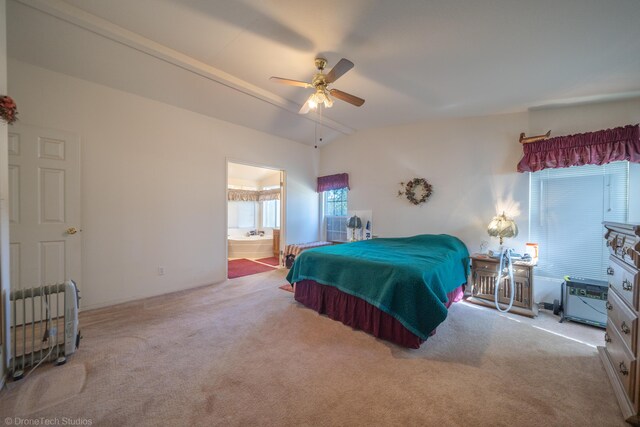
<point x="320" y="83"/>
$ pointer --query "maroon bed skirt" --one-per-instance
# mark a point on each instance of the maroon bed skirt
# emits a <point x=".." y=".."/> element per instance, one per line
<point x="358" y="313"/>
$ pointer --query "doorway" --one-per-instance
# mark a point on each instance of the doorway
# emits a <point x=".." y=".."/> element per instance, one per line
<point x="255" y="218"/>
<point x="44" y="206"/>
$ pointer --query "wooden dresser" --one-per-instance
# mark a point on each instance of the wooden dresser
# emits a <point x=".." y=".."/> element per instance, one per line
<point x="484" y="270"/>
<point x="620" y="353"/>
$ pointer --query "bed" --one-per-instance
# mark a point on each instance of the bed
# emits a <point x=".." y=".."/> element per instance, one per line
<point x="397" y="289"/>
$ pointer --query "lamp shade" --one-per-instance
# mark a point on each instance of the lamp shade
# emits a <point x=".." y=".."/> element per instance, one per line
<point x="501" y="226"/>
<point x="354" y="222"/>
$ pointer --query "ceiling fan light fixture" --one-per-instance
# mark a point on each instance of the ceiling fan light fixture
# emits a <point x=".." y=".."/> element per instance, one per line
<point x="320" y="81"/>
<point x="328" y="102"/>
<point x="319" y="97"/>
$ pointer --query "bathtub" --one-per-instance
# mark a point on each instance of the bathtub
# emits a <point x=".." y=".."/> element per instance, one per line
<point x="250" y="247"/>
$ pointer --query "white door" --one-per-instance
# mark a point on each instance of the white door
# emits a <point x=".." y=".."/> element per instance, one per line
<point x="44" y="206"/>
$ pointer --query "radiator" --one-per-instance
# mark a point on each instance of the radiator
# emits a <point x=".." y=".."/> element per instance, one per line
<point x="44" y="325"/>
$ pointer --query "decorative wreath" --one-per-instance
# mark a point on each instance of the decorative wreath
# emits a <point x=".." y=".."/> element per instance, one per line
<point x="8" y="109"/>
<point x="416" y="185"/>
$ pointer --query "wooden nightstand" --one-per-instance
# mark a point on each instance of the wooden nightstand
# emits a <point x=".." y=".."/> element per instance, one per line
<point x="484" y="270"/>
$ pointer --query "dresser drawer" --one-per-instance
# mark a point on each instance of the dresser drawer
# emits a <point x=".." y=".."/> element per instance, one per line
<point x="624" y="279"/>
<point x="623" y="319"/>
<point x="485" y="266"/>
<point x="492" y="267"/>
<point x="624" y="363"/>
<point x="520" y="271"/>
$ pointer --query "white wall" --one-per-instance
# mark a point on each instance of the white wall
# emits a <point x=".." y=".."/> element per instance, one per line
<point x="471" y="163"/>
<point x="4" y="191"/>
<point x="270" y="181"/>
<point x="241" y="182"/>
<point x="153" y="183"/>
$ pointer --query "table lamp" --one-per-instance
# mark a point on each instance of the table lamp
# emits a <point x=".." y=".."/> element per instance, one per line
<point x="501" y="226"/>
<point x="355" y="223"/>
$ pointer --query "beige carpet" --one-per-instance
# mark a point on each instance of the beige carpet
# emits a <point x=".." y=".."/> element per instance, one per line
<point x="245" y="353"/>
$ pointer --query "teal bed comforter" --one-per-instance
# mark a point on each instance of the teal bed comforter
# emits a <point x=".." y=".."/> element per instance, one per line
<point x="407" y="278"/>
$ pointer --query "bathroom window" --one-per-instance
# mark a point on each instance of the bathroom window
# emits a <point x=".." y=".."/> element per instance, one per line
<point x="271" y="213"/>
<point x="242" y="214"/>
<point x="335" y="215"/>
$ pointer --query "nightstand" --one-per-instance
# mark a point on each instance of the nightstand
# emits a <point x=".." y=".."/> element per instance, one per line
<point x="484" y="270"/>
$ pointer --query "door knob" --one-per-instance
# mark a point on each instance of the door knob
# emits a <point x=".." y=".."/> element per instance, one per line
<point x="72" y="230"/>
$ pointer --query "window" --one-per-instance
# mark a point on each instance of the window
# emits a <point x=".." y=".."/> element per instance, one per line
<point x="335" y="202"/>
<point x="335" y="214"/>
<point x="242" y="214"/>
<point x="271" y="213"/>
<point x="567" y="208"/>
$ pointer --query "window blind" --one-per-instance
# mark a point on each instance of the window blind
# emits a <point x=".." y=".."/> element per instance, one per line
<point x="242" y="215"/>
<point x="271" y="213"/>
<point x="567" y="207"/>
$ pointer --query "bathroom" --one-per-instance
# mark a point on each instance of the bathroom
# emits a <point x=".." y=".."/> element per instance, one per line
<point x="254" y="214"/>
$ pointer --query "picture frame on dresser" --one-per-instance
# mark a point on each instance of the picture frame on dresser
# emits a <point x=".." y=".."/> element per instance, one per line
<point x="619" y="355"/>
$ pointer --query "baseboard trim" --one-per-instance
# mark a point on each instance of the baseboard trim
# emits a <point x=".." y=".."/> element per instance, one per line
<point x="517" y="310"/>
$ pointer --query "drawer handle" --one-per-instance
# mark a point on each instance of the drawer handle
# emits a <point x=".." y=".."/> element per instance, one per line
<point x="626" y="285"/>
<point x="607" y="338"/>
<point x="625" y="328"/>
<point x="609" y="306"/>
<point x="623" y="369"/>
<point x="609" y="271"/>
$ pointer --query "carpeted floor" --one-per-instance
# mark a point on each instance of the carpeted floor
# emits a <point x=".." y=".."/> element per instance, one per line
<point x="245" y="353"/>
<point x="286" y="287"/>
<point x="245" y="267"/>
<point x="271" y="261"/>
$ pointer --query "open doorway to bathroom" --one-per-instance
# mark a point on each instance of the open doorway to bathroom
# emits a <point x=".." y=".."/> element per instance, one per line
<point x="255" y="218"/>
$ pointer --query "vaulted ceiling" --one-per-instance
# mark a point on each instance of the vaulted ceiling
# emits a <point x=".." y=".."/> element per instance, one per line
<point x="414" y="59"/>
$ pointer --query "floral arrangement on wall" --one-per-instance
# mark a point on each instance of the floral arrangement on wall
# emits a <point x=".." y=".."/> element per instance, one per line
<point x="8" y="109"/>
<point x="417" y="190"/>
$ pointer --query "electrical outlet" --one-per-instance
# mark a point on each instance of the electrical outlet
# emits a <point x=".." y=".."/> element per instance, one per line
<point x="160" y="271"/>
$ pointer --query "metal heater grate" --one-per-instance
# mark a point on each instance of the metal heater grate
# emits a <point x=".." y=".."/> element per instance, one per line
<point x="44" y="325"/>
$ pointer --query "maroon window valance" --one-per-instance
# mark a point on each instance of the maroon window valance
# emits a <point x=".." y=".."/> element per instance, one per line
<point x="333" y="182"/>
<point x="592" y="148"/>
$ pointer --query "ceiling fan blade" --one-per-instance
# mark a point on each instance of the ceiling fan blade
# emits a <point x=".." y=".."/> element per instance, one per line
<point x="340" y="68"/>
<point x="290" y="82"/>
<point x="347" y="97"/>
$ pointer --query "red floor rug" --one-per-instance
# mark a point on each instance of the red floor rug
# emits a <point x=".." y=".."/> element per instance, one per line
<point x="271" y="261"/>
<point x="286" y="287"/>
<point x="245" y="267"/>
